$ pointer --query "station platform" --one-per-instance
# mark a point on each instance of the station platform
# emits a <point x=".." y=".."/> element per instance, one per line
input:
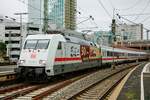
<point x="7" y="68"/>
<point x="137" y="86"/>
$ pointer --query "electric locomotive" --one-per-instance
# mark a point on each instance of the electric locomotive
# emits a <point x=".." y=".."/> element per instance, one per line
<point x="47" y="55"/>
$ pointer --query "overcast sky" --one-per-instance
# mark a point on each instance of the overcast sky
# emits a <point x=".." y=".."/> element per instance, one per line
<point x="93" y="7"/>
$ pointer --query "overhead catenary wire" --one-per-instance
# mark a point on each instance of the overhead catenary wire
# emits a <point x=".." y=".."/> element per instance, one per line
<point x="99" y="1"/>
<point x="147" y="5"/>
<point x="136" y="14"/>
<point x="132" y="6"/>
<point x="79" y="27"/>
<point x="84" y="26"/>
<point x="95" y="23"/>
<point x="130" y="21"/>
<point x="80" y="9"/>
<point x="82" y="23"/>
<point x="92" y="20"/>
<point x="112" y="5"/>
<point x="88" y="28"/>
<point x="147" y="22"/>
<point x="147" y="18"/>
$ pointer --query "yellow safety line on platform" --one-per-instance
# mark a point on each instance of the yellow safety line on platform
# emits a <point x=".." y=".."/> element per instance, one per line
<point x="118" y="89"/>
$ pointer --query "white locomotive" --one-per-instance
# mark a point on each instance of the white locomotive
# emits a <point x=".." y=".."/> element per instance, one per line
<point x="47" y="55"/>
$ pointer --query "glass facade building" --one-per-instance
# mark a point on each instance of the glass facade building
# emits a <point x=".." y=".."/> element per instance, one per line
<point x="56" y="12"/>
<point x="62" y="13"/>
<point x="35" y="11"/>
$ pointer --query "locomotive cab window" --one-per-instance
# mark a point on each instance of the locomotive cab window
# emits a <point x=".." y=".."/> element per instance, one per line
<point x="42" y="44"/>
<point x="59" y="46"/>
<point x="36" y="44"/>
<point x="30" y="44"/>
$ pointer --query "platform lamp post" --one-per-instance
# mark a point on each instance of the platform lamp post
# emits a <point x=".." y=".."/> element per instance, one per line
<point x="20" y="14"/>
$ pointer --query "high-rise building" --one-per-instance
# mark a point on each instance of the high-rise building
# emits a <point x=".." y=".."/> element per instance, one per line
<point x="35" y="10"/>
<point x="61" y="13"/>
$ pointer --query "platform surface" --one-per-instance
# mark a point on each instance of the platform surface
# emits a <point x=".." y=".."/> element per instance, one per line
<point x="137" y="87"/>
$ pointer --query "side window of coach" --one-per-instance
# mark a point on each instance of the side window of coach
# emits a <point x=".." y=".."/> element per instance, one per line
<point x="59" y="46"/>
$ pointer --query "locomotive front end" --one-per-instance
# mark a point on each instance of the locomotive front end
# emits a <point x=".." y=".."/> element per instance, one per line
<point x="33" y="59"/>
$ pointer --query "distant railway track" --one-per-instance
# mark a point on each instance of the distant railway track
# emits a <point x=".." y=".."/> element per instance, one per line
<point x="7" y="76"/>
<point x="7" y="63"/>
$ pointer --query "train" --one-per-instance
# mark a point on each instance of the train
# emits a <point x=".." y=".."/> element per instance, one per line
<point x="44" y="56"/>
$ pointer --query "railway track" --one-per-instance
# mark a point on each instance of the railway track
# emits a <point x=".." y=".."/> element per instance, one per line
<point x="12" y="87"/>
<point x="49" y="89"/>
<point x="86" y="88"/>
<point x="35" y="92"/>
<point x="64" y="89"/>
<point x="100" y="90"/>
<point x="19" y="91"/>
<point x="7" y="76"/>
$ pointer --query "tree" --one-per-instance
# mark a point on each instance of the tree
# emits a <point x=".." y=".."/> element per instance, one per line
<point x="2" y="49"/>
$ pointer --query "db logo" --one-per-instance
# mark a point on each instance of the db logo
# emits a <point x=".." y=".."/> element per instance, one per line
<point x="33" y="55"/>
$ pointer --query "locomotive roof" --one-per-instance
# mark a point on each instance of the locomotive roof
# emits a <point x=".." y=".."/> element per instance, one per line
<point x="61" y="38"/>
<point x="65" y="32"/>
<point x="43" y="36"/>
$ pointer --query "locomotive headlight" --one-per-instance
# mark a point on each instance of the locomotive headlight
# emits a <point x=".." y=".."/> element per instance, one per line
<point x="21" y="61"/>
<point x="43" y="62"/>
